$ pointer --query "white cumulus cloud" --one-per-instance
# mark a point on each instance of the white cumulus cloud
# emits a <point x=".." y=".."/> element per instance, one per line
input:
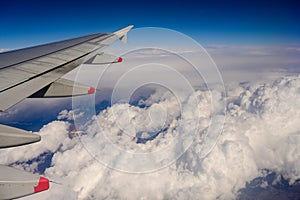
<point x="261" y="131"/>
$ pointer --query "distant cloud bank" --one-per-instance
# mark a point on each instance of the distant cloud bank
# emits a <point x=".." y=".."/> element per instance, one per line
<point x="3" y="50"/>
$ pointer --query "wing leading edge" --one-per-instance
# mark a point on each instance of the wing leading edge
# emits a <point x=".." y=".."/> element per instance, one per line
<point x="30" y="73"/>
<point x="36" y="72"/>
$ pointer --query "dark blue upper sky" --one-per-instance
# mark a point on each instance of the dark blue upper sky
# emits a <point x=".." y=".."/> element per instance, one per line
<point x="25" y="23"/>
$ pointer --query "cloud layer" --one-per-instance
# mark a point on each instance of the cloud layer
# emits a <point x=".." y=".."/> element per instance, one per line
<point x="262" y="131"/>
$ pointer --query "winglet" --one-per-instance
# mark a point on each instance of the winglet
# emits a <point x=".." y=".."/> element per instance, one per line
<point x="122" y="34"/>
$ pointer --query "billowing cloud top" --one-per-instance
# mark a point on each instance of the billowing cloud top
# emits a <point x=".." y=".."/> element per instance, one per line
<point x="261" y="132"/>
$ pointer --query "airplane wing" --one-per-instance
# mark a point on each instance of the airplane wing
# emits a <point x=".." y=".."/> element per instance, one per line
<point x="36" y="72"/>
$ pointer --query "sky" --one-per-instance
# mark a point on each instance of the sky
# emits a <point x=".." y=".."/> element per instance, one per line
<point x="26" y="23"/>
<point x="255" y="46"/>
<point x="233" y="32"/>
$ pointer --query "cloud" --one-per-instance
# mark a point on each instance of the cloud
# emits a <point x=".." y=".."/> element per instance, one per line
<point x="49" y="143"/>
<point x="256" y="62"/>
<point x="235" y="62"/>
<point x="253" y="50"/>
<point x="3" y="50"/>
<point x="262" y="131"/>
<point x="69" y="115"/>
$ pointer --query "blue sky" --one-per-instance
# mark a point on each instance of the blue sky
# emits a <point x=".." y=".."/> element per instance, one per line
<point x="26" y="23"/>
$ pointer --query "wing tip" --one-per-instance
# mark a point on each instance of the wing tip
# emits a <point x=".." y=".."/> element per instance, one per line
<point x="124" y="30"/>
<point x="122" y="33"/>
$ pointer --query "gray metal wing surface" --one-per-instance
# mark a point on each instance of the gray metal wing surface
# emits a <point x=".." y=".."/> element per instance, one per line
<point x="24" y="72"/>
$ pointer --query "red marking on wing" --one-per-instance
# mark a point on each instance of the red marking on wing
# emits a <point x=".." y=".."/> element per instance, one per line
<point x="91" y="90"/>
<point x="42" y="185"/>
